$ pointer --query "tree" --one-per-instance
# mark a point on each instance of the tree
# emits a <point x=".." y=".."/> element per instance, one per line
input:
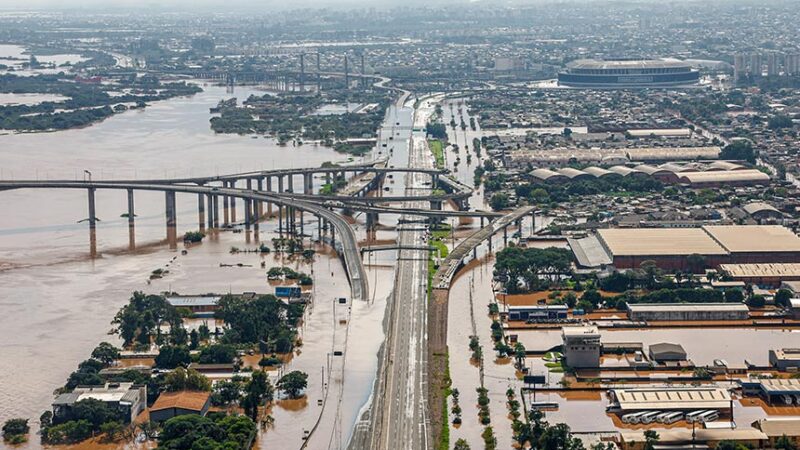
<point x="651" y="438"/>
<point x="696" y="262"/>
<point x="739" y="150"/>
<point x="293" y="383"/>
<point x="257" y="391"/>
<point x="182" y="379"/>
<point x="461" y="444"/>
<point x="194" y="340"/>
<point x="593" y="297"/>
<point x="734" y="295"/>
<point x="499" y="201"/>
<point x="731" y="445"/>
<point x="172" y="356"/>
<point x="783" y="297"/>
<point x="112" y="430"/>
<point x="756" y="301"/>
<point x="217" y="354"/>
<point x="94" y="411"/>
<point x="14" y="430"/>
<point x="784" y="443"/>
<point x="227" y="392"/>
<point x="519" y="354"/>
<point x="105" y="353"/>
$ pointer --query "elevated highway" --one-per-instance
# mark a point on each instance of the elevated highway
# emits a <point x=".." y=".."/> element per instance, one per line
<point x="347" y="239"/>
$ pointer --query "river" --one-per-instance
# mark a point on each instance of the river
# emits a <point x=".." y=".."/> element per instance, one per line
<point x="57" y="303"/>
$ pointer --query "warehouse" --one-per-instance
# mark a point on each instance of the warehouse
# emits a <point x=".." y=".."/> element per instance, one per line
<point x="669" y="248"/>
<point x="744" y="177"/>
<point x="763" y="274"/>
<point x="780" y="391"/>
<point x="762" y="211"/>
<point x="757" y="243"/>
<point x="548" y="176"/>
<point x="684" y="312"/>
<point x="777" y="427"/>
<point x="599" y="172"/>
<point x="575" y="174"/>
<point x="680" y="398"/>
<point x="662" y="175"/>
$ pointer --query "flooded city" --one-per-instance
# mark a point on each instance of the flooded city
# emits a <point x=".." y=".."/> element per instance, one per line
<point x="383" y="226"/>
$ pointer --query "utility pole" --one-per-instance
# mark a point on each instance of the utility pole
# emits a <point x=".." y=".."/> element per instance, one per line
<point x="302" y="72"/>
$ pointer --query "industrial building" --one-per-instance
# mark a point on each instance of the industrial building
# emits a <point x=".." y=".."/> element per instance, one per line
<point x="537" y="312"/>
<point x="687" y="312"/>
<point x="667" y="351"/>
<point x="716" y="244"/>
<point x="707" y="178"/>
<point x="785" y="358"/>
<point x="762" y="274"/>
<point x="581" y="347"/>
<point x="779" y="391"/>
<point x="777" y="427"/>
<point x="627" y="73"/>
<point x="677" y="398"/>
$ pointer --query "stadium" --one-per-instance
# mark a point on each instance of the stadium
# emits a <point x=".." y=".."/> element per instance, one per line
<point x="627" y="73"/>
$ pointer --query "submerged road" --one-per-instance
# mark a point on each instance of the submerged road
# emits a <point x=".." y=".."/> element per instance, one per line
<point x="397" y="417"/>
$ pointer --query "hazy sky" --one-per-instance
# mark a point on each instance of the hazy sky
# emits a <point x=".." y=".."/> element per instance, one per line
<point x="194" y="4"/>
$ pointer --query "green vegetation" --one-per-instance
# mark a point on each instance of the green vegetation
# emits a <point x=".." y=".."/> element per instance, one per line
<point x="288" y="273"/>
<point x="544" y="436"/>
<point x="264" y="319"/>
<point x="293" y="383"/>
<point x="437" y="148"/>
<point x="87" y="102"/>
<point x="86" y="417"/>
<point x="740" y="150"/>
<point x="15" y="431"/>
<point x="217" y="431"/>
<point x="444" y="438"/>
<point x="527" y="269"/>
<point x="193" y="236"/>
<point x="142" y="318"/>
<point x="291" y="116"/>
<point x="436" y="130"/>
<point x="546" y="193"/>
<point x="182" y="379"/>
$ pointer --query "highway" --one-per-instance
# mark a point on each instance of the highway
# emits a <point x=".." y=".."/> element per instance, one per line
<point x="397" y="417"/>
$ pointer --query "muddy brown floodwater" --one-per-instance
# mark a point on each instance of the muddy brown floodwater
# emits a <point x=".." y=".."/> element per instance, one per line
<point x="57" y="303"/>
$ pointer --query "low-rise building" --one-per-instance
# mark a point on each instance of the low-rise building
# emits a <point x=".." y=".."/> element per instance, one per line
<point x="785" y="358"/>
<point x="777" y="427"/>
<point x="581" y="346"/>
<point x="681" y="312"/>
<point x="677" y="398"/>
<point x="687" y="438"/>
<point x="171" y="404"/>
<point x="126" y="399"/>
<point x="537" y="312"/>
<point x="199" y="305"/>
<point x="667" y="351"/>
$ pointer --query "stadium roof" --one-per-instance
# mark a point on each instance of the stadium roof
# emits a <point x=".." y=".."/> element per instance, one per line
<point x="754" y="238"/>
<point x="659" y="241"/>
<point x="626" y="64"/>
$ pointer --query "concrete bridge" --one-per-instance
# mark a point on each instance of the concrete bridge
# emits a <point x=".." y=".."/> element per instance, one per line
<point x="209" y="196"/>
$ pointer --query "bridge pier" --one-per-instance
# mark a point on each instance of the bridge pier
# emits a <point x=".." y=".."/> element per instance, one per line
<point x="308" y="183"/>
<point x="302" y="230"/>
<point x="248" y="210"/>
<point x="131" y="222"/>
<point x="210" y="208"/>
<point x="201" y="213"/>
<point x="280" y="221"/>
<point x="172" y="233"/>
<point x="225" y="207"/>
<point x="290" y="182"/>
<point x="319" y="228"/>
<point x="232" y="185"/>
<point x="216" y="211"/>
<point x="268" y="179"/>
<point x="260" y="207"/>
<point x="92" y="224"/>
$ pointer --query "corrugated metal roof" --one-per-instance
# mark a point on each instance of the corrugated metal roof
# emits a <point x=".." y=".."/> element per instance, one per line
<point x="754" y="238"/>
<point x="711" y="397"/>
<point x="658" y="241"/>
